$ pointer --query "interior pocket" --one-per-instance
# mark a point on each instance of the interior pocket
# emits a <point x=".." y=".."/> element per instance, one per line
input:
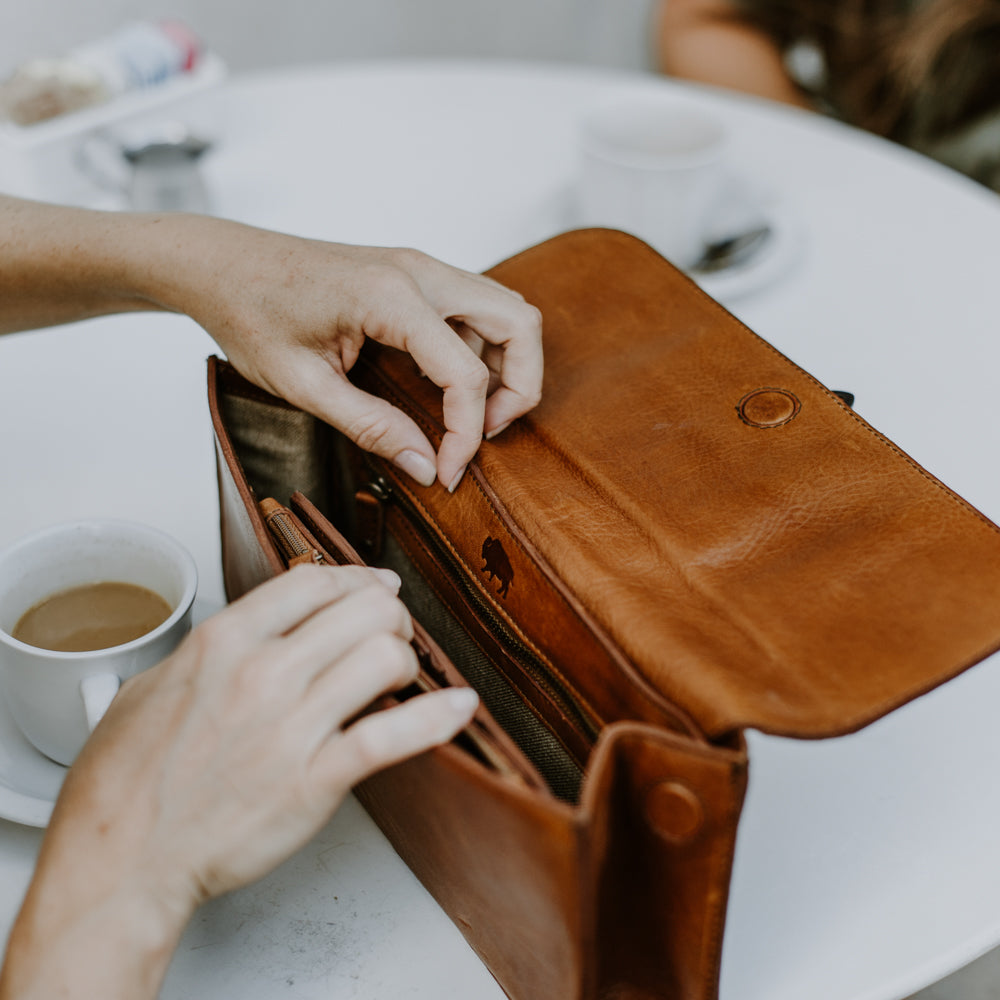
<point x="535" y="737"/>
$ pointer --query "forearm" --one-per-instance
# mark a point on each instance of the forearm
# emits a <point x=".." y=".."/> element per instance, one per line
<point x="59" y="264"/>
<point x="707" y="41"/>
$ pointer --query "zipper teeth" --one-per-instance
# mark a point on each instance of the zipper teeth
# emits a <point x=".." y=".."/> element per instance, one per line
<point x="288" y="534"/>
<point x="555" y="688"/>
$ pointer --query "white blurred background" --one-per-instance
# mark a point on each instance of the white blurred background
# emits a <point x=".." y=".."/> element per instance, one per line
<point x="262" y="34"/>
<point x="257" y="34"/>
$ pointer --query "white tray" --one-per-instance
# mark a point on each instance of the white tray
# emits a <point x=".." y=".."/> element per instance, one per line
<point x="41" y="160"/>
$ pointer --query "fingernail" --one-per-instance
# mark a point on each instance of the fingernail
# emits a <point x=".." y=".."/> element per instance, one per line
<point x="421" y="468"/>
<point x="456" y="480"/>
<point x="496" y="430"/>
<point x="463" y="699"/>
<point x="388" y="577"/>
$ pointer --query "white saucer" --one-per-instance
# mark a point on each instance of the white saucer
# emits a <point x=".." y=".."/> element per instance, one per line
<point x="747" y="203"/>
<point x="29" y="781"/>
<point x="774" y="260"/>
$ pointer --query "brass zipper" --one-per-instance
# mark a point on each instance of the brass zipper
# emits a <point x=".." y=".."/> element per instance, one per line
<point x="287" y="536"/>
<point x="381" y="488"/>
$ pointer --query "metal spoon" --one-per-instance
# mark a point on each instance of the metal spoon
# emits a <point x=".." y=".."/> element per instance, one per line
<point x="732" y="251"/>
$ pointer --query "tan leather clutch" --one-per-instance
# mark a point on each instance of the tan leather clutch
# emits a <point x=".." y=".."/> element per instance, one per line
<point x="688" y="537"/>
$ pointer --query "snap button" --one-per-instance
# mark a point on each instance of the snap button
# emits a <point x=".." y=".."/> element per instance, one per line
<point x="674" y="811"/>
<point x="768" y="407"/>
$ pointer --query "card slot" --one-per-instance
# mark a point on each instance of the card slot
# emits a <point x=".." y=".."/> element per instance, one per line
<point x="479" y="740"/>
<point x="536" y="722"/>
<point x="483" y="739"/>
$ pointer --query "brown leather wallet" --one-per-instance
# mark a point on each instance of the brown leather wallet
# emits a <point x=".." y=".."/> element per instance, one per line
<point x="688" y="537"/>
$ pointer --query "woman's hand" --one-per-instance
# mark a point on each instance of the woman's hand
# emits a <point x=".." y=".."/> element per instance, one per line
<point x="292" y="316"/>
<point x="214" y="766"/>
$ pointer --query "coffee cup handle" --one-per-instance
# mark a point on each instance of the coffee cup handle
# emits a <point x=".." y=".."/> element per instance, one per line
<point x="98" y="691"/>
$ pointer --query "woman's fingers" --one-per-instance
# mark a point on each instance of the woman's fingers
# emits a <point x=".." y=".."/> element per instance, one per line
<point x="510" y="327"/>
<point x="280" y="605"/>
<point x="447" y="359"/>
<point x="339" y="635"/>
<point x="387" y="737"/>
<point x="372" y="423"/>
<point x="449" y="362"/>
<point x="378" y="665"/>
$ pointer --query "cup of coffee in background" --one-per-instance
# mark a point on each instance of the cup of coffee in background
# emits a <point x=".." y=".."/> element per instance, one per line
<point x="83" y="607"/>
<point x="652" y="165"/>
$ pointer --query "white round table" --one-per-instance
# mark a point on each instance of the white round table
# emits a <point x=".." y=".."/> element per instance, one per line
<point x="865" y="865"/>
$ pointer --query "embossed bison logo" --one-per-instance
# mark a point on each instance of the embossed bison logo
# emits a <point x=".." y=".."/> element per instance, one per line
<point x="497" y="565"/>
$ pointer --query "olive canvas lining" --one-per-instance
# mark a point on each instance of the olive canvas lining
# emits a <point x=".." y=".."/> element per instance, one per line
<point x="534" y="739"/>
<point x="281" y="450"/>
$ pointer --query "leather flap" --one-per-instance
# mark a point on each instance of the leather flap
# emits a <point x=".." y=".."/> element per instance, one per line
<point x="762" y="555"/>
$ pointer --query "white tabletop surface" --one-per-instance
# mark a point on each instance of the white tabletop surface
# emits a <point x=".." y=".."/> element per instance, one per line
<point x="865" y="865"/>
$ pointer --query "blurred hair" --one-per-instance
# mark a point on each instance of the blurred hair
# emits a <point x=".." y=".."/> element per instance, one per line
<point x="882" y="55"/>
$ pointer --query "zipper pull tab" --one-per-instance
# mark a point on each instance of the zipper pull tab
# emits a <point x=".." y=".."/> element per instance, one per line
<point x="369" y="512"/>
<point x="292" y="544"/>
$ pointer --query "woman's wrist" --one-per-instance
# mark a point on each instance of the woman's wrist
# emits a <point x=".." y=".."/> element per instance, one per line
<point x="111" y="940"/>
<point x="166" y="261"/>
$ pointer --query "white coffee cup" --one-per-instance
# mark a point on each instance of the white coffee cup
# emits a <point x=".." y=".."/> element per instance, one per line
<point x="652" y="165"/>
<point x="57" y="698"/>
